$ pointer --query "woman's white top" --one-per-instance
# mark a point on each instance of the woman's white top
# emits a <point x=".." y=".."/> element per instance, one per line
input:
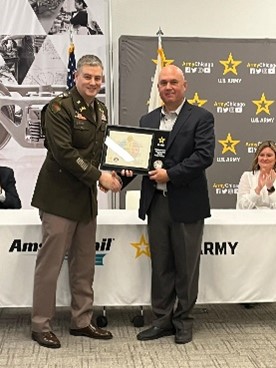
<point x="247" y="198"/>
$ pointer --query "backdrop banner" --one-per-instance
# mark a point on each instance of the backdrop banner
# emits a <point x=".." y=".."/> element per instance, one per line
<point x="34" y="51"/>
<point x="232" y="78"/>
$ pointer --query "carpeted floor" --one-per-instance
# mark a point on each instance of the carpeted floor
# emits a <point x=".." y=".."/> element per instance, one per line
<point x="224" y="336"/>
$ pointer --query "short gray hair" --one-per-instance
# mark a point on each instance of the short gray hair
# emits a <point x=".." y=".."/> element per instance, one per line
<point x="91" y="60"/>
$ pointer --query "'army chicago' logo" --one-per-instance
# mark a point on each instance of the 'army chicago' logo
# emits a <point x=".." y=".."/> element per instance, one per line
<point x="229" y="107"/>
<point x="197" y="67"/>
<point x="252" y="146"/>
<point x="261" y="68"/>
<point x="226" y="188"/>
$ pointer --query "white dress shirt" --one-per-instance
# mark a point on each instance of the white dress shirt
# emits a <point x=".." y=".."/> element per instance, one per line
<point x="2" y="195"/>
<point x="247" y="198"/>
<point x="167" y="122"/>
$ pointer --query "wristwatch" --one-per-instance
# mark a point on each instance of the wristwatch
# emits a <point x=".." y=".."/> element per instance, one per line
<point x="271" y="190"/>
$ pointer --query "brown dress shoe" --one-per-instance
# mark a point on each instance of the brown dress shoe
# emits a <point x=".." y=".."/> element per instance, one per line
<point x="92" y="331"/>
<point x="46" y="339"/>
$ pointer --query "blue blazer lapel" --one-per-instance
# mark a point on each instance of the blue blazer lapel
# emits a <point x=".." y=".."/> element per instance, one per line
<point x="180" y="121"/>
<point x="154" y="120"/>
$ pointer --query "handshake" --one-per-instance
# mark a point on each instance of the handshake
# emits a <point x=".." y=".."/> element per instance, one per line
<point x="110" y="181"/>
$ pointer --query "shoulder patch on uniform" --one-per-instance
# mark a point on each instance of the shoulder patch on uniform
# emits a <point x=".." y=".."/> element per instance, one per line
<point x="56" y="106"/>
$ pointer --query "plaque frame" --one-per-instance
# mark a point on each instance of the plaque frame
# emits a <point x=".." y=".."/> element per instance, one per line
<point x="136" y="148"/>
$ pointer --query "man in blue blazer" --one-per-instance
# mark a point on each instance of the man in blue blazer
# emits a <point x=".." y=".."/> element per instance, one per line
<point x="9" y="198"/>
<point x="175" y="199"/>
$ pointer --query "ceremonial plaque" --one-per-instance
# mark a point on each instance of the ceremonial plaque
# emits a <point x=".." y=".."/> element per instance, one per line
<point x="134" y="148"/>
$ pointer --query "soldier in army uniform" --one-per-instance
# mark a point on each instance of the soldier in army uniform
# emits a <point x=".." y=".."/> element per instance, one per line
<point x="66" y="195"/>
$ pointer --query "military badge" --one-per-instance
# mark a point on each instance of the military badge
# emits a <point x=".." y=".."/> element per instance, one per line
<point x="103" y="116"/>
<point x="79" y="116"/>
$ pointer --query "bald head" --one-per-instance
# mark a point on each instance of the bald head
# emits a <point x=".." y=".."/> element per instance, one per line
<point x="172" y="69"/>
<point x="172" y="86"/>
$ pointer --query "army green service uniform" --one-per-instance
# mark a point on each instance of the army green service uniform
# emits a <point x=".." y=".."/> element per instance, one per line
<point x="66" y="195"/>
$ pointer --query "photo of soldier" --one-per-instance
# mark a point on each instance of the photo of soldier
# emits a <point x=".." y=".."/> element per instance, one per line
<point x="18" y="52"/>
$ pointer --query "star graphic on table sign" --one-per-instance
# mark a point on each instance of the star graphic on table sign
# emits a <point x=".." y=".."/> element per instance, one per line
<point x="263" y="104"/>
<point x="162" y="140"/>
<point x="197" y="101"/>
<point x="142" y="247"/>
<point x="230" y="65"/>
<point x="229" y="144"/>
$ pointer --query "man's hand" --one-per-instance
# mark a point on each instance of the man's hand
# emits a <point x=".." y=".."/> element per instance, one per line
<point x="159" y="175"/>
<point x="110" y="181"/>
<point x="127" y="173"/>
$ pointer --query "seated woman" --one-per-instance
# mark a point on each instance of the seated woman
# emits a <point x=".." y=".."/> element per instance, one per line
<point x="9" y="198"/>
<point x="256" y="187"/>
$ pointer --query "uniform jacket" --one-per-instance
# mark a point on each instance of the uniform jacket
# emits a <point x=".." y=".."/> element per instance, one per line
<point x="7" y="182"/>
<point x="189" y="151"/>
<point x="66" y="185"/>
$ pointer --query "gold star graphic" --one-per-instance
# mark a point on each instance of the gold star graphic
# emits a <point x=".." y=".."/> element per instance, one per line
<point x="263" y="104"/>
<point x="229" y="144"/>
<point x="164" y="60"/>
<point x="197" y="101"/>
<point x="230" y="65"/>
<point x="142" y="247"/>
<point x="162" y="140"/>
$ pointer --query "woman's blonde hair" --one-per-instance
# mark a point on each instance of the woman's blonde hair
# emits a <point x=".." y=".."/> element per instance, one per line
<point x="262" y="146"/>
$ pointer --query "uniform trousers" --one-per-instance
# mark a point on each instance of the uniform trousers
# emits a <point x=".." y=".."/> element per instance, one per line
<point x="175" y="255"/>
<point x="61" y="237"/>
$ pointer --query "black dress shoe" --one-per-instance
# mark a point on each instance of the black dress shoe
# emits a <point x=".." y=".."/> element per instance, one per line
<point x="92" y="331"/>
<point x="183" y="336"/>
<point x="248" y="305"/>
<point x="46" y="339"/>
<point x="153" y="333"/>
